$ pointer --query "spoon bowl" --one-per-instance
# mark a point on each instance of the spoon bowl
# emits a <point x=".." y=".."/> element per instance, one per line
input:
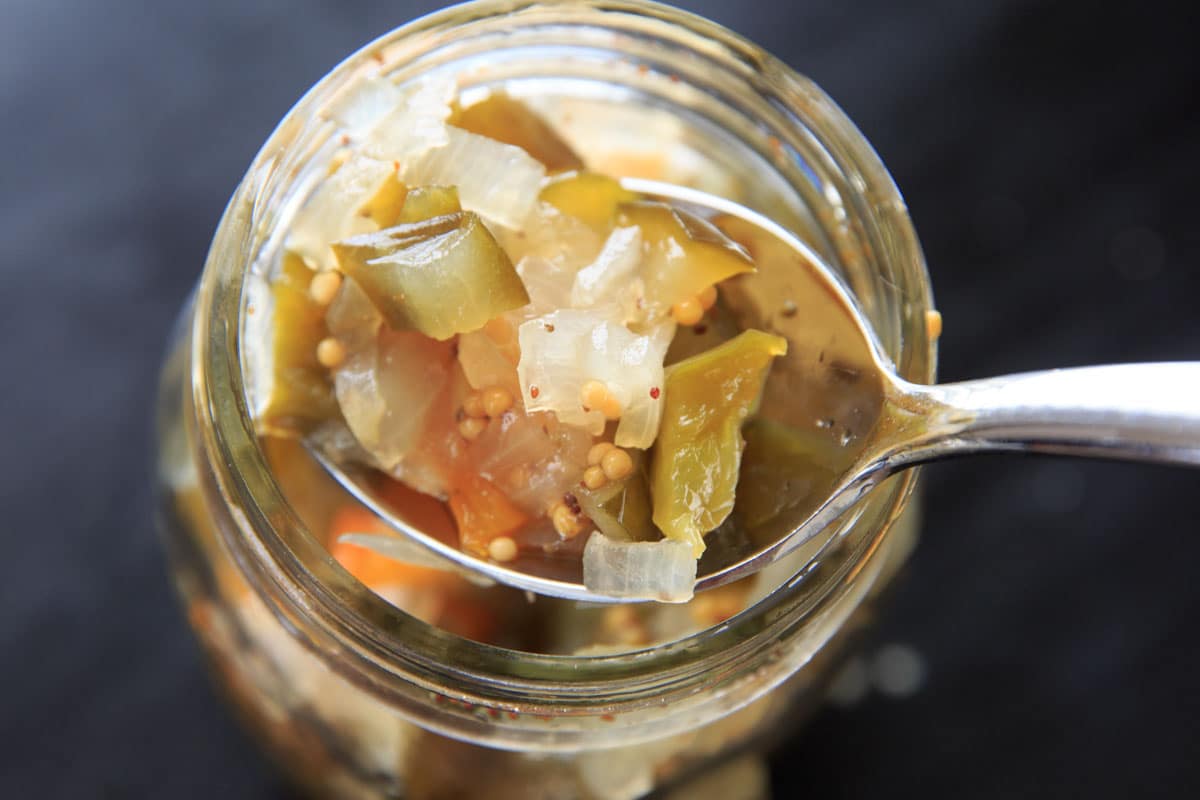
<point x="1136" y="412"/>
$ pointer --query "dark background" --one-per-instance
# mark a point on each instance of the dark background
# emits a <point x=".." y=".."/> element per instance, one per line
<point x="1050" y="155"/>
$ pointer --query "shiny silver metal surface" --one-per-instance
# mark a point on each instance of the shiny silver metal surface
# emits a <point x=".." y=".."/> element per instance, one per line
<point x="1135" y="412"/>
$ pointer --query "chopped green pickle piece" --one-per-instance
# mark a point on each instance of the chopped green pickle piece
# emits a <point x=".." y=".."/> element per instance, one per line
<point x="441" y="276"/>
<point x="384" y="207"/>
<point x="622" y="510"/>
<point x="684" y="254"/>
<point x="504" y="119"/>
<point x="698" y="453"/>
<point x="427" y="202"/>
<point x="785" y="470"/>
<point x="587" y="196"/>
<point x="301" y="394"/>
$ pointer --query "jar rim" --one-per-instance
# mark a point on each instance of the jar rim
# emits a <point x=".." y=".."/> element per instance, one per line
<point x="381" y="647"/>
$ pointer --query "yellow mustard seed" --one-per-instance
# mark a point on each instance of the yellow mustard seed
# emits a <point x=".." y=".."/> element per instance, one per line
<point x="616" y="464"/>
<point x="502" y="548"/>
<point x="496" y="400"/>
<point x="331" y="353"/>
<point x="473" y="405"/>
<point x="594" y="477"/>
<point x="324" y="286"/>
<point x="597" y="452"/>
<point x="472" y="427"/>
<point x="688" y="311"/>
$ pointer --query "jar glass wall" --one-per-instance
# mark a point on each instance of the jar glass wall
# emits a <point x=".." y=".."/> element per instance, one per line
<point x="355" y="696"/>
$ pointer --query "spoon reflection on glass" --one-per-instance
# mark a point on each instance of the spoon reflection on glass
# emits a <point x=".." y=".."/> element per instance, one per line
<point x="1136" y="412"/>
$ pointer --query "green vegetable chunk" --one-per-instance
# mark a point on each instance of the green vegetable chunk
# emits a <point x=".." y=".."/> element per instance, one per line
<point x="621" y="510"/>
<point x="427" y="202"/>
<point x="507" y="120"/>
<point x="440" y="276"/>
<point x="695" y="465"/>
<point x="300" y="394"/>
<point x="684" y="254"/>
<point x="786" y="472"/>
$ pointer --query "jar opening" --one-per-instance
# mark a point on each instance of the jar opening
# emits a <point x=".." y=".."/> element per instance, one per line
<point x="746" y="108"/>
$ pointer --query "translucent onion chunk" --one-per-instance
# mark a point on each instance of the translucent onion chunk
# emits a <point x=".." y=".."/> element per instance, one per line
<point x="415" y="126"/>
<point x="486" y="363"/>
<point x="362" y="107"/>
<point x="664" y="570"/>
<point x="498" y="181"/>
<point x="641" y="418"/>
<point x="533" y="458"/>
<point x="387" y="389"/>
<point x="563" y="350"/>
<point x="612" y="270"/>
<point x="549" y="234"/>
<point x="548" y="284"/>
<point x="352" y="318"/>
<point x="335" y="209"/>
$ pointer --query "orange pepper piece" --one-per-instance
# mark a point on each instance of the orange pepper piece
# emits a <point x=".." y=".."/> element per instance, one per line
<point x="483" y="513"/>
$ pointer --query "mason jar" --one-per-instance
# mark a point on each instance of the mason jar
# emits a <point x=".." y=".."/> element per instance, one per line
<point x="354" y="695"/>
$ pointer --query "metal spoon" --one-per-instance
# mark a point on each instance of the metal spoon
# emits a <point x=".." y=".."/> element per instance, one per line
<point x="1135" y="412"/>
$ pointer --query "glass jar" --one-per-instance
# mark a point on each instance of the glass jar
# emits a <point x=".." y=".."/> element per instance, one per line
<point x="354" y="697"/>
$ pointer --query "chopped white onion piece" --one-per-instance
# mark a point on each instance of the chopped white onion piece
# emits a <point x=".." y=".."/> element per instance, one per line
<point x="563" y="350"/>
<point x="561" y="473"/>
<point x="484" y="363"/>
<point x="498" y="181"/>
<point x="386" y="390"/>
<point x="352" y="318"/>
<point x="664" y="570"/>
<point x="567" y="242"/>
<point x="547" y="282"/>
<point x="332" y="213"/>
<point x="415" y="126"/>
<point x="640" y="420"/>
<point x="604" y="278"/>
<point x="360" y="108"/>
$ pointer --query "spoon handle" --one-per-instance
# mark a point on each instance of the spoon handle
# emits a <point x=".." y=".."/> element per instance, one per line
<point x="1136" y="412"/>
